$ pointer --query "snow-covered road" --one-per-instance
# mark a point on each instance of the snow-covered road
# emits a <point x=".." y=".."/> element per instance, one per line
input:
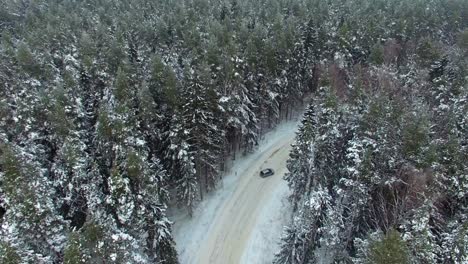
<point x="242" y="221"/>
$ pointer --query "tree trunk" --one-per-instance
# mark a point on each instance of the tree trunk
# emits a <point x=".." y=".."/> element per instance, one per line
<point x="200" y="180"/>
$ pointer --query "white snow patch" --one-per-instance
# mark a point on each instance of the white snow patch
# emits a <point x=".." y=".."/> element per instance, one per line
<point x="224" y="99"/>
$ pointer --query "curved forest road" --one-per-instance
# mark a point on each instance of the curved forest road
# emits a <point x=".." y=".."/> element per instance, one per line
<point x="241" y="222"/>
<point x="231" y="230"/>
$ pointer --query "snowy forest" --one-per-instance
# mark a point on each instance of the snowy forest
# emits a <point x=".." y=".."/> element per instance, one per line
<point x="113" y="110"/>
<point x="379" y="170"/>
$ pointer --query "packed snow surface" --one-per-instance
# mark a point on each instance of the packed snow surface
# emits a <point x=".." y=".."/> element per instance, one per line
<point x="242" y="221"/>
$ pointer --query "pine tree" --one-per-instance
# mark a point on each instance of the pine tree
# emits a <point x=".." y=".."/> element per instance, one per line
<point x="31" y="216"/>
<point x="391" y="249"/>
<point x="136" y="181"/>
<point x="301" y="158"/>
<point x="204" y="136"/>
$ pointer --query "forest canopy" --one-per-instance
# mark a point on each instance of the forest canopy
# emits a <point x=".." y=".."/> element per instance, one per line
<point x="110" y="110"/>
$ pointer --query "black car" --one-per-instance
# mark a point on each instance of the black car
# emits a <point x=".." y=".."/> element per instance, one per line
<point x="266" y="173"/>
